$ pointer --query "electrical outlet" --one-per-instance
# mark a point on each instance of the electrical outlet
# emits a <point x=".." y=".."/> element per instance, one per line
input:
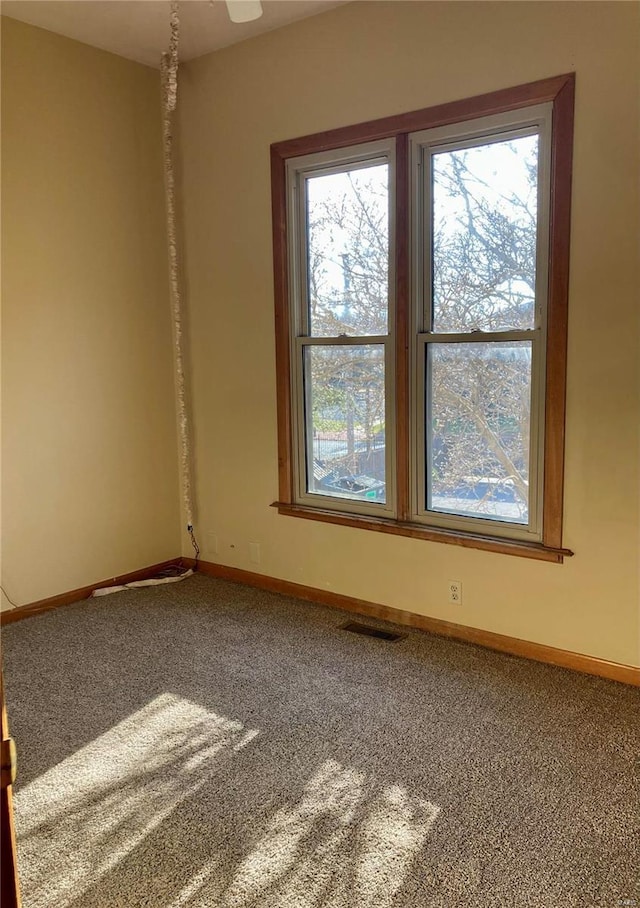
<point x="455" y="592"/>
<point x="212" y="543"/>
<point x="254" y="552"/>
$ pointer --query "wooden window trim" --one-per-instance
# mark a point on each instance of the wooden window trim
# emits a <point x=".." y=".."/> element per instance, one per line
<point x="559" y="90"/>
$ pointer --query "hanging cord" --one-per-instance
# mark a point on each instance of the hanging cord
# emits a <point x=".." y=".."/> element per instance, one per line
<point x="196" y="547"/>
<point x="169" y="69"/>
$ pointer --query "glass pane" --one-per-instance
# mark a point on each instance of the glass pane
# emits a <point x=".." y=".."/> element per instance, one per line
<point x="478" y="430"/>
<point x="484" y="237"/>
<point x="345" y="421"/>
<point x="348" y="252"/>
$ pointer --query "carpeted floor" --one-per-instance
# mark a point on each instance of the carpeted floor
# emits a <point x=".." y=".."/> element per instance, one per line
<point x="207" y="744"/>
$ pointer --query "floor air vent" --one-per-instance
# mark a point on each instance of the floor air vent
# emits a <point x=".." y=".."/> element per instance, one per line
<point x="354" y="627"/>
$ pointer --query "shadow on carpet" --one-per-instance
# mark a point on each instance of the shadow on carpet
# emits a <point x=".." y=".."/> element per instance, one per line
<point x="208" y="744"/>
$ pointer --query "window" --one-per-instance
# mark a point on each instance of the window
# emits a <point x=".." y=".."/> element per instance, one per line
<point x="421" y="270"/>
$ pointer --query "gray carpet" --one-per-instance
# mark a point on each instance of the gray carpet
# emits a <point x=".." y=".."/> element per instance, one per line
<point x="206" y="744"/>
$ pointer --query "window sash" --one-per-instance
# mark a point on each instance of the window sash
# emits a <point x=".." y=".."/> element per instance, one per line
<point x="458" y="136"/>
<point x="303" y="451"/>
<point x="531" y="531"/>
<point x="355" y="157"/>
<point x="423" y="145"/>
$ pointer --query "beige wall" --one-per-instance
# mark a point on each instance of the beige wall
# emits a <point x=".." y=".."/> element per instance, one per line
<point x="363" y="61"/>
<point x="89" y="470"/>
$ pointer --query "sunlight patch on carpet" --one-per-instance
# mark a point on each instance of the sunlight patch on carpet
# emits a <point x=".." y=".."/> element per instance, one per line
<point x="105" y="798"/>
<point x="343" y="843"/>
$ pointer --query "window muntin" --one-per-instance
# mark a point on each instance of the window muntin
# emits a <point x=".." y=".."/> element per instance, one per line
<point x="341" y="239"/>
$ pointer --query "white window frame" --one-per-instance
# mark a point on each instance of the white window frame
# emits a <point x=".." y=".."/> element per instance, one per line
<point x="298" y="170"/>
<point x="423" y="145"/>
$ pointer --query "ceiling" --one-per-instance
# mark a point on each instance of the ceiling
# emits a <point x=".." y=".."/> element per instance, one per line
<point x="139" y="29"/>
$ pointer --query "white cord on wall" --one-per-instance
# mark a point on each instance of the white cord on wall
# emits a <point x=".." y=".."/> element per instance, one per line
<point x="169" y="69"/>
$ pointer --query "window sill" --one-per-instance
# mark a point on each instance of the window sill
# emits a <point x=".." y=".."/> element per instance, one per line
<point x="534" y="550"/>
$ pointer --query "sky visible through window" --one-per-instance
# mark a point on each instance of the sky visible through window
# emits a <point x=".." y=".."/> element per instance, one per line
<point x="483" y="254"/>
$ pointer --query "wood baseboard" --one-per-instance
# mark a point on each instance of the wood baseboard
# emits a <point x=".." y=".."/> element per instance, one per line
<point x="44" y="605"/>
<point x="591" y="665"/>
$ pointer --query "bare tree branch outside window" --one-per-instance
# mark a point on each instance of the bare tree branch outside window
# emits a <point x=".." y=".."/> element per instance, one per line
<point x="484" y="272"/>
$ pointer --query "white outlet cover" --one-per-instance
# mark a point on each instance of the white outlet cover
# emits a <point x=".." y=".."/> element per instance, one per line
<point x="455" y="591"/>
